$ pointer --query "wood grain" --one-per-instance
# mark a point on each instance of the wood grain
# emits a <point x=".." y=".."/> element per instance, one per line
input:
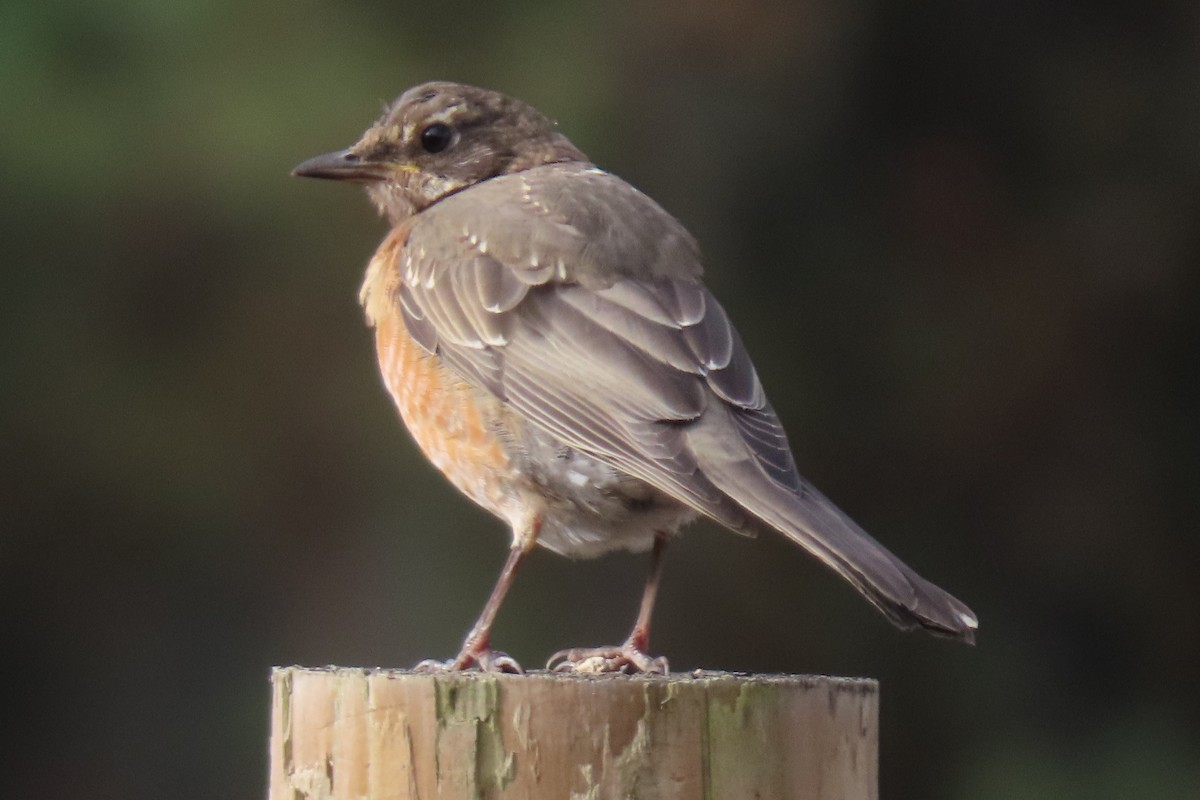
<point x="352" y="733"/>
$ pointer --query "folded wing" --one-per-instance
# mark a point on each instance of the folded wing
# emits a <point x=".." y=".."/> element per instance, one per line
<point x="602" y="335"/>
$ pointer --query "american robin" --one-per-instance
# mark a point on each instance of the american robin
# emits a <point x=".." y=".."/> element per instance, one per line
<point x="544" y="331"/>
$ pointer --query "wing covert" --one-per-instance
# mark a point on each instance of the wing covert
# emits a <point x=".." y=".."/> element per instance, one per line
<point x="619" y="369"/>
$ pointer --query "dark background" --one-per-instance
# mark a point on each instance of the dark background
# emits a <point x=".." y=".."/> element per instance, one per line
<point x="960" y="239"/>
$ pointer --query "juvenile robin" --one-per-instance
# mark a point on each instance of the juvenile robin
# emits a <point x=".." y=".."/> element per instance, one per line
<point x="545" y="333"/>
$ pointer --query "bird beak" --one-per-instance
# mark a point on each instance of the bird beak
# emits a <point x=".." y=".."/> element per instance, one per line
<point x="345" y="165"/>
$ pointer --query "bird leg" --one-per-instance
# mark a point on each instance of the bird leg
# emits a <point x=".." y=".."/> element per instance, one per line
<point x="477" y="649"/>
<point x="630" y="656"/>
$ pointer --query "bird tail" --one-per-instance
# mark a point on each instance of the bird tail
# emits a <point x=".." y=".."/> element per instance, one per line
<point x="908" y="600"/>
<point x="811" y="520"/>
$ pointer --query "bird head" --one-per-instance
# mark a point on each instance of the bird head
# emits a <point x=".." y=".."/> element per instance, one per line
<point x="439" y="138"/>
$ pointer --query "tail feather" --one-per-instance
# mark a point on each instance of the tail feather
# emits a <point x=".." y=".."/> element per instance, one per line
<point x="811" y="520"/>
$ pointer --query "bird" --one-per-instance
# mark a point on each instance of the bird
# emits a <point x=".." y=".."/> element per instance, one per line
<point x="545" y="333"/>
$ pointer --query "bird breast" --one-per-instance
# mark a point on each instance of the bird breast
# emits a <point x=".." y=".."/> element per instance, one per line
<point x="585" y="507"/>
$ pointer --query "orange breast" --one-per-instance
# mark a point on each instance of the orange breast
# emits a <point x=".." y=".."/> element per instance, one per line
<point x="453" y="423"/>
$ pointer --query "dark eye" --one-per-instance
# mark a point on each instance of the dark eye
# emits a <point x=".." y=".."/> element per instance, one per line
<point x="437" y="137"/>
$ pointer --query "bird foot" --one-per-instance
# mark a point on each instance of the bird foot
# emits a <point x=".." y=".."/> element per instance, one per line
<point x="596" y="660"/>
<point x="484" y="660"/>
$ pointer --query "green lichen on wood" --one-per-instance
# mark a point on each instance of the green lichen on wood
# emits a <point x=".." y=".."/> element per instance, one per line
<point x="731" y="716"/>
<point x="283" y="683"/>
<point x="472" y="702"/>
<point x="734" y="717"/>
<point x="629" y="764"/>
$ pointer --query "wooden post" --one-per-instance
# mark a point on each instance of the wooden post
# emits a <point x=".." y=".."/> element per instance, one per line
<point x="373" y="734"/>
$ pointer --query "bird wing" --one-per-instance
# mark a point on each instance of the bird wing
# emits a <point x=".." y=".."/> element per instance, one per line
<point x="577" y="301"/>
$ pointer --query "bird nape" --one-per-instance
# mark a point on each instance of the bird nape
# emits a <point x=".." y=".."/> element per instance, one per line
<point x="547" y="338"/>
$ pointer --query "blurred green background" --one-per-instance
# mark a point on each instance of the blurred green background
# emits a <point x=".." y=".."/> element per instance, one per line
<point x="961" y="240"/>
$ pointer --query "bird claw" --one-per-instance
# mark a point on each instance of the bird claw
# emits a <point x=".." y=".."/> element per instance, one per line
<point x="482" y="660"/>
<point x="597" y="660"/>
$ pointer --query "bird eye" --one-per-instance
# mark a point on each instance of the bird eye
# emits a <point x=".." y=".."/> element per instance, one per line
<point x="437" y="137"/>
